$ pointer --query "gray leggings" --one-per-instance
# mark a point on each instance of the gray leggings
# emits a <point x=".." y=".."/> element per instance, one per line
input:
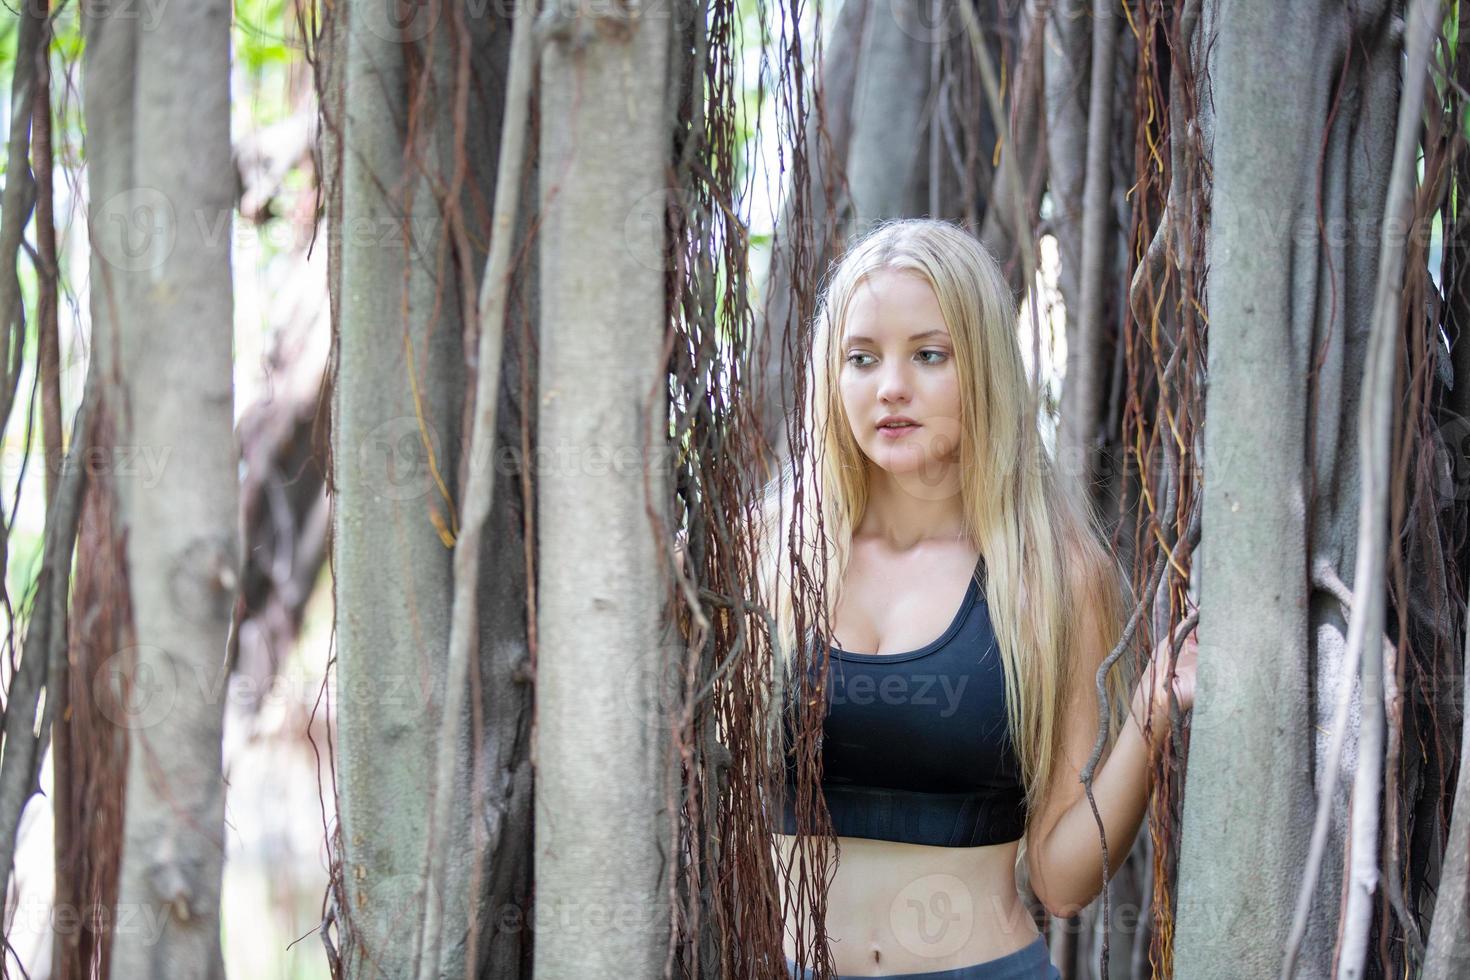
<point x="1030" y="963"/>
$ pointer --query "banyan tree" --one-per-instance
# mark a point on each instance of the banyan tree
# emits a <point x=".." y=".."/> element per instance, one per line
<point x="573" y="256"/>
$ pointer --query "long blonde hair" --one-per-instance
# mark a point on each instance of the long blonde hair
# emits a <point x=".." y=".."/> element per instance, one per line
<point x="1044" y="554"/>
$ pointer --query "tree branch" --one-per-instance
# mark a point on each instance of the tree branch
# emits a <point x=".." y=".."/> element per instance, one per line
<point x="480" y="484"/>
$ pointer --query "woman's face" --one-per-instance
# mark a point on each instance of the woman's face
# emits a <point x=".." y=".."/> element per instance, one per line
<point x="898" y="359"/>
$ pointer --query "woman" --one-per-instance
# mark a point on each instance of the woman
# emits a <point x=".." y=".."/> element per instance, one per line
<point x="970" y="603"/>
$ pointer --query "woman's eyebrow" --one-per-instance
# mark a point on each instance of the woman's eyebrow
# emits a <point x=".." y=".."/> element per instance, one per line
<point x="856" y="338"/>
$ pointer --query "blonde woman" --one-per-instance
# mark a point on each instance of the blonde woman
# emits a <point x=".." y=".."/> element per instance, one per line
<point x="971" y="602"/>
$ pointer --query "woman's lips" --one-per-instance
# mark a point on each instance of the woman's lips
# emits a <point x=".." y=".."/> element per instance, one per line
<point x="897" y="431"/>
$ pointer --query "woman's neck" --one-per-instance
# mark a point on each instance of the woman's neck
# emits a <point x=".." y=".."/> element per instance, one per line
<point x="903" y="526"/>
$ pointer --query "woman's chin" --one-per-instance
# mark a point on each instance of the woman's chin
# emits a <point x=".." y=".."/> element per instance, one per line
<point x="916" y="471"/>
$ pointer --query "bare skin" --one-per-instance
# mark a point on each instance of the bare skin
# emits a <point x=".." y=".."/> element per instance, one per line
<point x="911" y="908"/>
<point x="895" y="907"/>
<point x="908" y="908"/>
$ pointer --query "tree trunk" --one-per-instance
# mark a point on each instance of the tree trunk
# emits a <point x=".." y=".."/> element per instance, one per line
<point x="1067" y="65"/>
<point x="398" y="383"/>
<point x="1449" y="939"/>
<point x="173" y="380"/>
<point x="412" y="129"/>
<point x="501" y="800"/>
<point x="886" y="175"/>
<point x="1289" y="314"/>
<point x="606" y="791"/>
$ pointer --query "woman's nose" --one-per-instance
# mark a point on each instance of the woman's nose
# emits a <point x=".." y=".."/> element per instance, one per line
<point x="893" y="385"/>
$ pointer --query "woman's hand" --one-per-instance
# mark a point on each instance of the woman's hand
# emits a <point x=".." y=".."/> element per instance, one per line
<point x="1151" y="698"/>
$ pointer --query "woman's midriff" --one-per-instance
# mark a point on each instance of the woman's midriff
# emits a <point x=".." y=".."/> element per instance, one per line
<point x="911" y="908"/>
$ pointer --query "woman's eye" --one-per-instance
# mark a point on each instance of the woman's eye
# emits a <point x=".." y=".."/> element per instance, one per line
<point x="938" y="357"/>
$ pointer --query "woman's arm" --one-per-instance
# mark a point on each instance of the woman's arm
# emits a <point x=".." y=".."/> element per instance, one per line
<point x="1064" y="853"/>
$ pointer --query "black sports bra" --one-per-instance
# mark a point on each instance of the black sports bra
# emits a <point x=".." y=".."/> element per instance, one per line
<point x="915" y="746"/>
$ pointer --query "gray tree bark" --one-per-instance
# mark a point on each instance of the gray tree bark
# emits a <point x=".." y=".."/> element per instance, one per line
<point x="1079" y="436"/>
<point x="405" y="266"/>
<point x="1449" y="938"/>
<point x="162" y="223"/>
<point x="886" y="166"/>
<point x="391" y="571"/>
<point x="1067" y="65"/>
<point x="606" y="793"/>
<point x="398" y="395"/>
<point x="1280" y="298"/>
<point x="500" y="801"/>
